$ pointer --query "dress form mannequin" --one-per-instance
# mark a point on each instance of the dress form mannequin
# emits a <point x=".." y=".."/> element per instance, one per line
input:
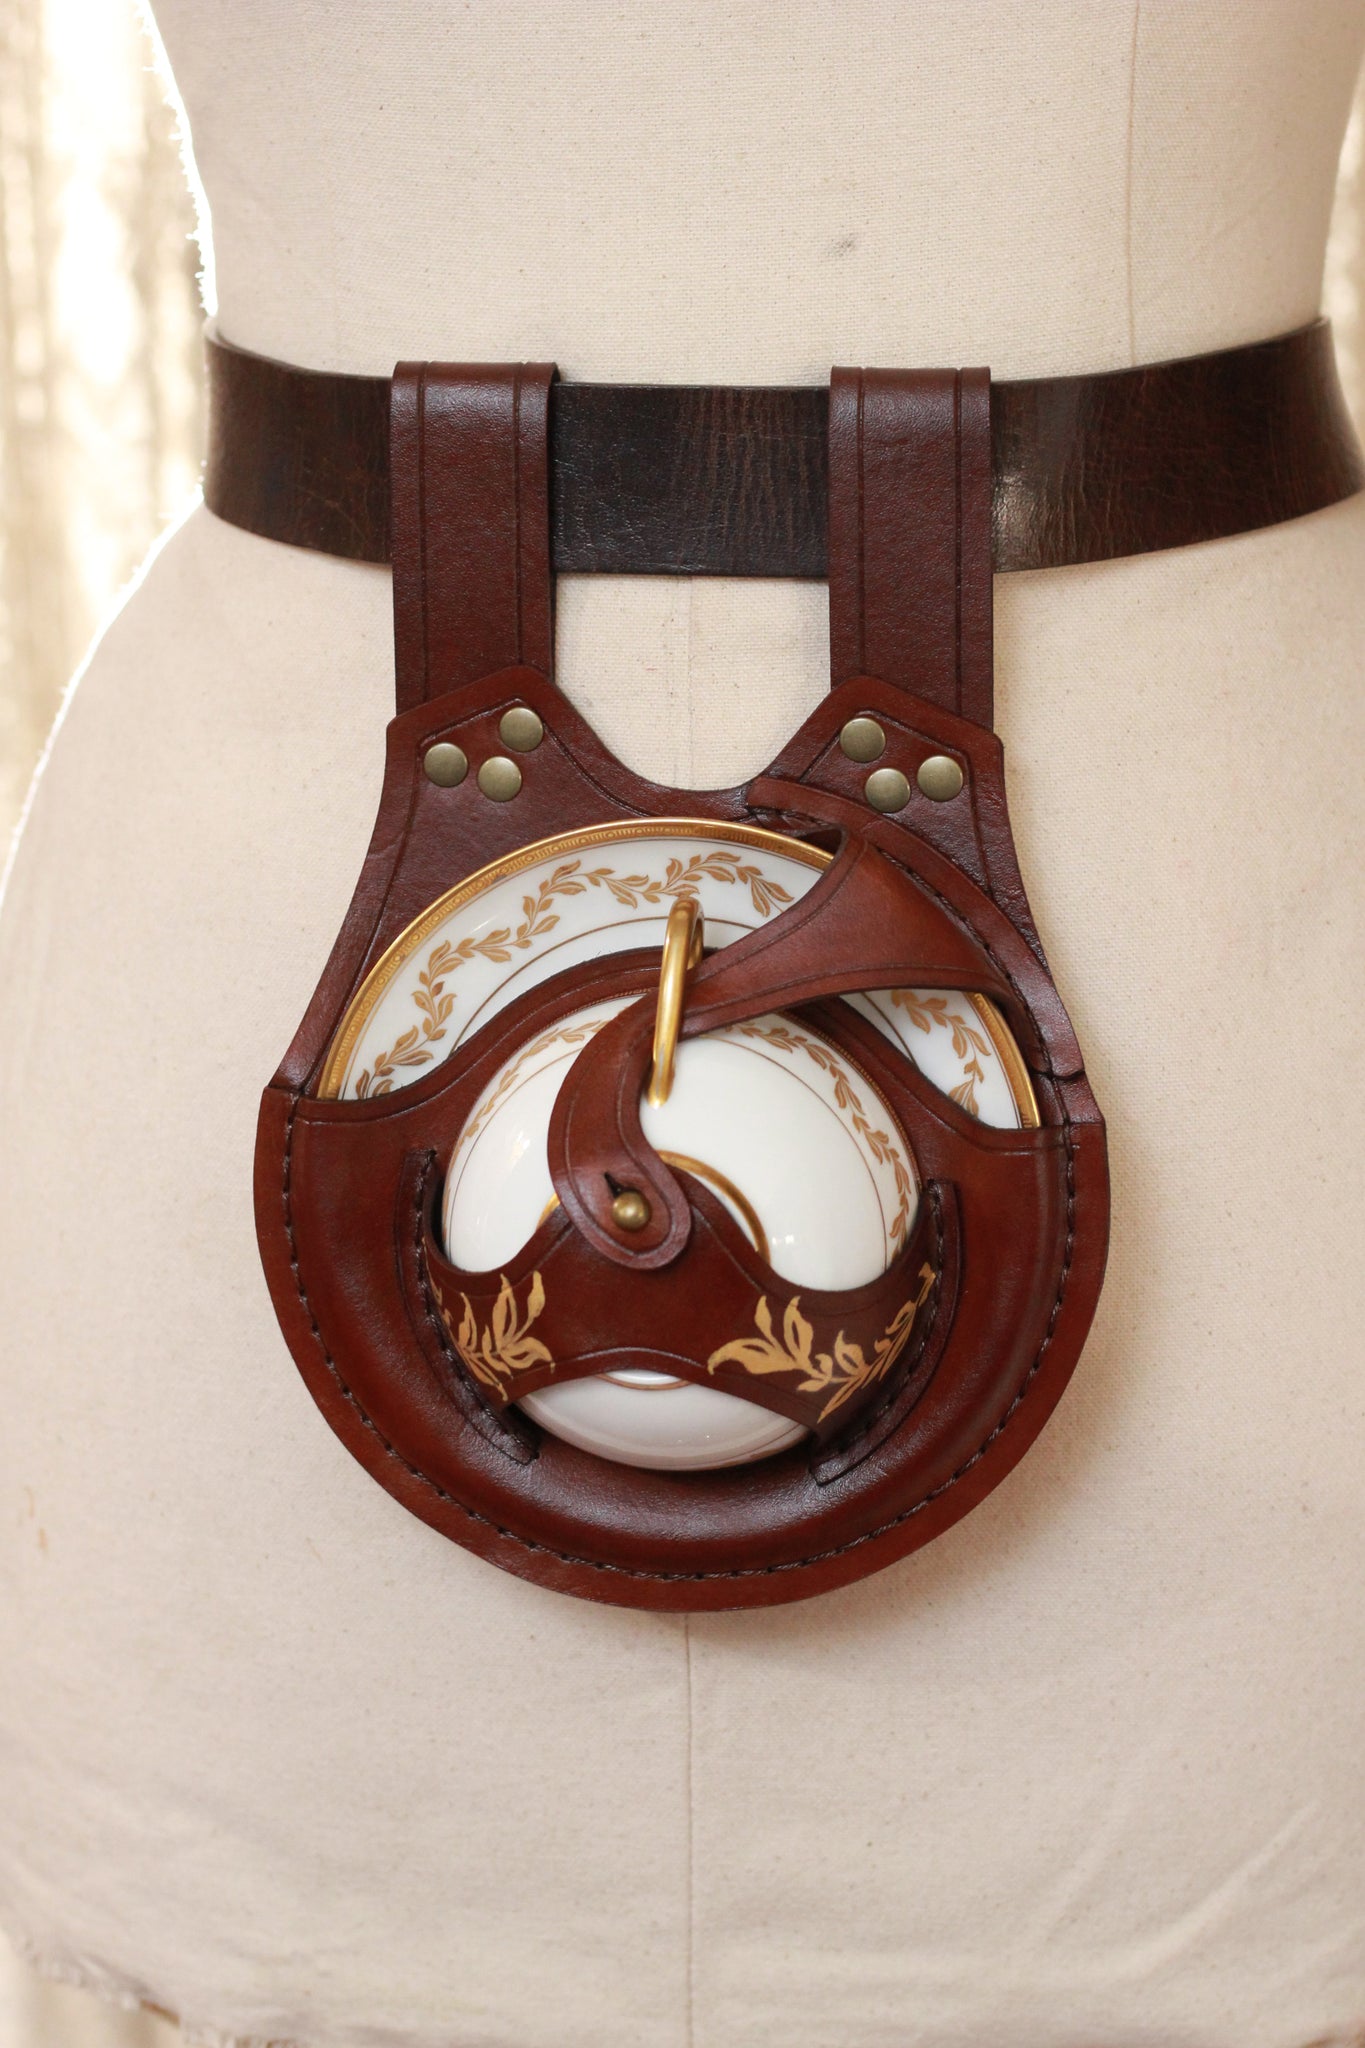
<point x="271" y="1752"/>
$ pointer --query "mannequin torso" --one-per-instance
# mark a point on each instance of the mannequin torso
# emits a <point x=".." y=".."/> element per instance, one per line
<point x="271" y="1752"/>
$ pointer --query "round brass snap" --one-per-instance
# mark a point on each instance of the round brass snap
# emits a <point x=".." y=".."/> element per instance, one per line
<point x="940" y="778"/>
<point x="886" y="789"/>
<point x="520" y="729"/>
<point x="630" y="1210"/>
<point x="445" y="765"/>
<point x="500" y="778"/>
<point x="862" y="739"/>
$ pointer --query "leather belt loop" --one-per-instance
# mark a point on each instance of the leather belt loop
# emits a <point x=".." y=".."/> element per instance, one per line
<point x="910" y="487"/>
<point x="469" y="464"/>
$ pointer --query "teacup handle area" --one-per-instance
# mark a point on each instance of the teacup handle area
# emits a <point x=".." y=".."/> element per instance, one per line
<point x="682" y="952"/>
<point x="865" y="925"/>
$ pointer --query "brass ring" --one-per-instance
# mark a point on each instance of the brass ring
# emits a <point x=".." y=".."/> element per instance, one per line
<point x="682" y="951"/>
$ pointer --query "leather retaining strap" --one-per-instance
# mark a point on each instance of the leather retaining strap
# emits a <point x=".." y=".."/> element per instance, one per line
<point x="733" y="481"/>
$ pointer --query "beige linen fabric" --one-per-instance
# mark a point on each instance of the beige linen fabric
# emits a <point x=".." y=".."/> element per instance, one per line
<point x="277" y="1756"/>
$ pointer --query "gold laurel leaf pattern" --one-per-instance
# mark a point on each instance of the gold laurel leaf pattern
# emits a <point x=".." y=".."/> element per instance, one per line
<point x="784" y="1038"/>
<point x="842" y="1371"/>
<point x="504" y="1346"/>
<point x="558" y="1034"/>
<point x="929" y="1013"/>
<point x="435" y="1002"/>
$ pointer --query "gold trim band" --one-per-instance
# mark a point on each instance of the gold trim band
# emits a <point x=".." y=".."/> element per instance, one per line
<point x="681" y="954"/>
<point x="376" y="982"/>
<point x="1011" y="1059"/>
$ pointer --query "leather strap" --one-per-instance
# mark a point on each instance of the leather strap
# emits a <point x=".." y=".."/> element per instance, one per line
<point x="866" y="924"/>
<point x="473" y="590"/>
<point x="910" y="533"/>
<point x="671" y="479"/>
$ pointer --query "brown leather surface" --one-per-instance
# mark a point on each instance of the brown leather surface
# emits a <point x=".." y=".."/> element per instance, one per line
<point x="946" y="1367"/>
<point x="864" y="925"/>
<point x="910" y="452"/>
<point x="721" y="1297"/>
<point x="468" y="455"/>
<point x="733" y="481"/>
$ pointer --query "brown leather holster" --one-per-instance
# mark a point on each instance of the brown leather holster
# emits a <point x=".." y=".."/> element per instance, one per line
<point x="918" y="1391"/>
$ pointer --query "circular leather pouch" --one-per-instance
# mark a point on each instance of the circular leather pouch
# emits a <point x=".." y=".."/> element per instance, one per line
<point x="902" y="1399"/>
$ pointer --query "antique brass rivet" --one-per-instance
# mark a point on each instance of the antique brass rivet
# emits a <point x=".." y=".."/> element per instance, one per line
<point x="886" y="789"/>
<point x="862" y="739"/>
<point x="630" y="1210"/>
<point x="940" y="777"/>
<point x="500" y="778"/>
<point x="445" y="764"/>
<point x="521" y="729"/>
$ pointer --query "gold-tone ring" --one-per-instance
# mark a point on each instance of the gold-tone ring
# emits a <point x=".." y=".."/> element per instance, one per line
<point x="682" y="951"/>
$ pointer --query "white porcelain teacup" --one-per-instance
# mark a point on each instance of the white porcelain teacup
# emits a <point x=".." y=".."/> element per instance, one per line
<point x="790" y="1136"/>
<point x="782" y="1125"/>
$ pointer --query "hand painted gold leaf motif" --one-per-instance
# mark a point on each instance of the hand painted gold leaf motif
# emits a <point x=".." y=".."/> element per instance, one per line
<point x="842" y="1371"/>
<point x="505" y="1347"/>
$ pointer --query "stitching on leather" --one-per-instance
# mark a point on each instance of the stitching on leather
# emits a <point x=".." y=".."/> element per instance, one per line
<point x="437" y="1322"/>
<point x="959" y="918"/>
<point x="680" y="1578"/>
<point x="442" y="1335"/>
<point x="966" y="925"/>
<point x="609" y="796"/>
<point x="424" y="600"/>
<point x="848" y="1448"/>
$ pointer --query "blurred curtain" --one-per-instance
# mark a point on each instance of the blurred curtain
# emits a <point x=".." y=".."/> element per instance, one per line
<point x="99" y="439"/>
<point x="99" y="343"/>
<point x="1344" y="286"/>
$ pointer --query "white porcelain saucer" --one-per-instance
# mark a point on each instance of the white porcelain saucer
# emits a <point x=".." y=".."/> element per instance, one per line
<point x="784" y="1128"/>
<point x="606" y="890"/>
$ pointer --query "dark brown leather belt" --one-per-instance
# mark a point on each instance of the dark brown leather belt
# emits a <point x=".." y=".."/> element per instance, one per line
<point x="733" y="481"/>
